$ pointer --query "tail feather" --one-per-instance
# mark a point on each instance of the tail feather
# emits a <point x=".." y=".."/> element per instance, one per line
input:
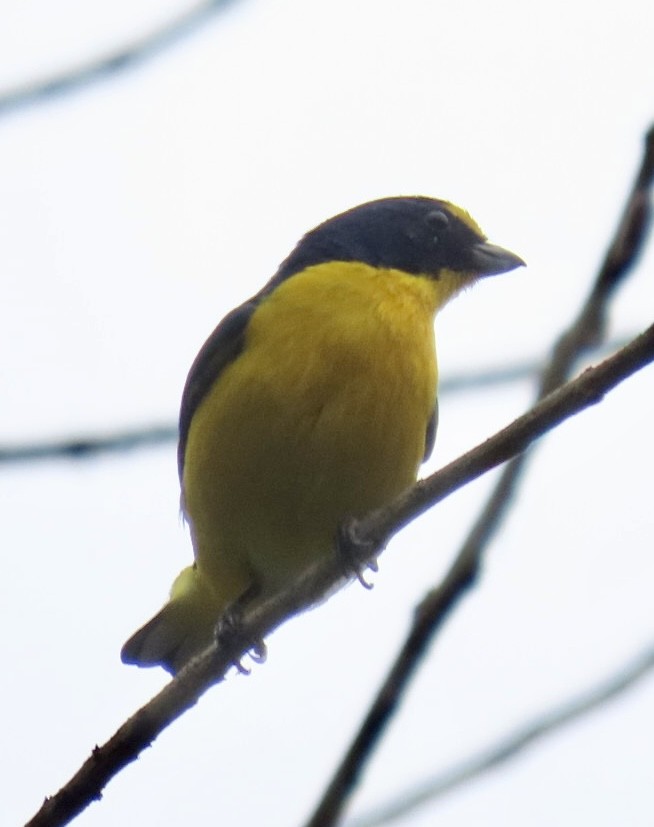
<point x="181" y="630"/>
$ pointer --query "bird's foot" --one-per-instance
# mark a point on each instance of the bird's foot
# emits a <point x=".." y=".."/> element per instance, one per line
<point x="229" y="635"/>
<point x="352" y="549"/>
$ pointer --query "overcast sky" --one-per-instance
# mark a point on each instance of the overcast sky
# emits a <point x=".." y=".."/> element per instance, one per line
<point x="138" y="210"/>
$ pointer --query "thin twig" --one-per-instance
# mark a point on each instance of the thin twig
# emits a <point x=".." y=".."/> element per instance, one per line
<point x="374" y="533"/>
<point x="509" y="746"/>
<point x="585" y="332"/>
<point x="102" y="68"/>
<point x="84" y="447"/>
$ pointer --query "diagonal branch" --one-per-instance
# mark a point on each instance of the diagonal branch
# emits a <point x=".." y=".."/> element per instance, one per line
<point x="373" y="533"/>
<point x="583" y="333"/>
<point x="542" y="725"/>
<point x="104" y="67"/>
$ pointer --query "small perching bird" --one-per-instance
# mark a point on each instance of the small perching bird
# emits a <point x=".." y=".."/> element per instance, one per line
<point x="312" y="402"/>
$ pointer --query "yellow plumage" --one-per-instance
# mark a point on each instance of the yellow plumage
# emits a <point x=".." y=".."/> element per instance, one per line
<point x="323" y="409"/>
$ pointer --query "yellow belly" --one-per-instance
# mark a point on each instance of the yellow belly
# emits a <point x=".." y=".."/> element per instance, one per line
<point x="322" y="416"/>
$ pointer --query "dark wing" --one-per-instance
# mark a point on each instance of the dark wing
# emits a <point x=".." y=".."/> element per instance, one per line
<point x="221" y="348"/>
<point x="430" y="434"/>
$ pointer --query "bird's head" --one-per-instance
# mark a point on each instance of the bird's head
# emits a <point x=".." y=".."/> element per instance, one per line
<point x="415" y="234"/>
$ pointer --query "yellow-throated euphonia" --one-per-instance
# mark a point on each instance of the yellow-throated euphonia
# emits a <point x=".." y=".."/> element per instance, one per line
<point x="313" y="401"/>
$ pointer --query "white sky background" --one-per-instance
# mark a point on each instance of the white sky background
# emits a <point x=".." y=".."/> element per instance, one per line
<point x="135" y="213"/>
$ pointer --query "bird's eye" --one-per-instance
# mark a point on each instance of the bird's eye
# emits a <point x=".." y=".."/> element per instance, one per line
<point x="438" y="220"/>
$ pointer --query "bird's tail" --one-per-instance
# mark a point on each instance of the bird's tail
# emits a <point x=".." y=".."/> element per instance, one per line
<point x="181" y="630"/>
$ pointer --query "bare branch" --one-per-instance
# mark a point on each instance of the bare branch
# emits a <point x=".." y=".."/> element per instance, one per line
<point x="511" y="745"/>
<point x="102" y="68"/>
<point x="372" y="536"/>
<point x="83" y="447"/>
<point x="584" y="332"/>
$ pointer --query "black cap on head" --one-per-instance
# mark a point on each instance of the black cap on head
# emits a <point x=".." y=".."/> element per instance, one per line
<point x="415" y="234"/>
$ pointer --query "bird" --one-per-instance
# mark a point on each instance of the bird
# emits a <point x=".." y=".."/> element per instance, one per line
<point x="313" y="402"/>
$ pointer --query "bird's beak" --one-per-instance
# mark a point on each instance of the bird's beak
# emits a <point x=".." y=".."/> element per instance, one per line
<point x="489" y="259"/>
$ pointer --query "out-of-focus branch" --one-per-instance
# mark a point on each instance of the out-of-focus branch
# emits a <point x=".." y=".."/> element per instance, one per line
<point x="506" y="748"/>
<point x="83" y="447"/>
<point x="583" y="333"/>
<point x="508" y="374"/>
<point x="373" y="535"/>
<point x="104" y="67"/>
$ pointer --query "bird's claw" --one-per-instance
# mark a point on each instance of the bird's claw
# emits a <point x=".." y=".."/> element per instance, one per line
<point x="259" y="651"/>
<point x="351" y="548"/>
<point x="228" y="635"/>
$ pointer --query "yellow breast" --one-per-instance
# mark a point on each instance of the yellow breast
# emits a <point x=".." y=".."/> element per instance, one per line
<point x="322" y="416"/>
